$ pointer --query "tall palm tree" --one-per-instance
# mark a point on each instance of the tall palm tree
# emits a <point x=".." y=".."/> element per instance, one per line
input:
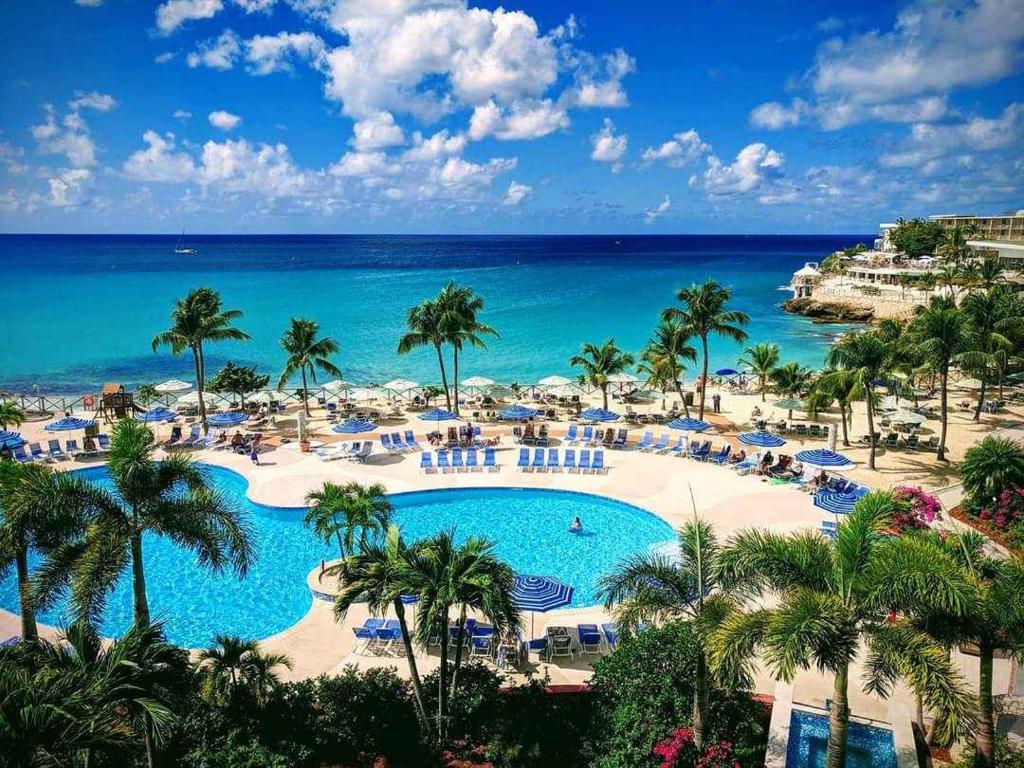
<point x="426" y="327"/>
<point x="953" y="245"/>
<point x="940" y="334"/>
<point x="867" y="357"/>
<point x="666" y="350"/>
<point x="792" y="380"/>
<point x="834" y="596"/>
<point x="599" y="363"/>
<point x="11" y="414"/>
<point x="233" y="667"/>
<point x="444" y="576"/>
<point x="375" y="574"/>
<point x="29" y="520"/>
<point x="171" y="497"/>
<point x="654" y="587"/>
<point x="990" y="273"/>
<point x="351" y="514"/>
<point x="992" y="319"/>
<point x="762" y="360"/>
<point x="844" y="388"/>
<point x="704" y="313"/>
<point x="307" y="354"/>
<point x="461" y="327"/>
<point x="197" y="320"/>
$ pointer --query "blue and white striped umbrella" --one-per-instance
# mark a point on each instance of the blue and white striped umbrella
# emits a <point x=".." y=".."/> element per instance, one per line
<point x="10" y="439"/>
<point x="157" y="414"/>
<point x="517" y="412"/>
<point x="540" y="594"/>
<point x="762" y="439"/>
<point x="690" y="425"/>
<point x="823" y="457"/>
<point x="69" y="423"/>
<point x="226" y="419"/>
<point x="838" y="503"/>
<point x="354" y="427"/>
<point x="437" y="414"/>
<point x="599" y="414"/>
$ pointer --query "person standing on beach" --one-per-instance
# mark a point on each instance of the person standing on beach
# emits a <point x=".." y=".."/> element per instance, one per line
<point x="716" y="400"/>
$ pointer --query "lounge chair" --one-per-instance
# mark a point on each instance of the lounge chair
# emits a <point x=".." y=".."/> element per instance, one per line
<point x="385" y="443"/>
<point x="71" y="448"/>
<point x="912" y="442"/>
<point x="410" y="441"/>
<point x="932" y="444"/>
<point x="542" y="436"/>
<point x="553" y="460"/>
<point x="645" y="442"/>
<point x="36" y="452"/>
<point x="815" y="430"/>
<point x="363" y="454"/>
<point x="55" y="451"/>
<point x="661" y="445"/>
<point x="801" y="430"/>
<point x="588" y="435"/>
<point x="471" y="462"/>
<point x="609" y="437"/>
<point x="426" y="461"/>
<point x="396" y="442"/>
<point x="388" y="640"/>
<point x="366" y="638"/>
<point x="490" y="461"/>
<point x="722" y="456"/>
<point x="571" y="435"/>
<point x="611" y="635"/>
<point x="20" y="456"/>
<point x="828" y="529"/>
<point x="569" y="461"/>
<point x="442" y="460"/>
<point x="620" y="439"/>
<point x="892" y="440"/>
<point x="590" y="638"/>
<point x="173" y="441"/>
<point x="528" y="438"/>
<point x="524" y="459"/>
<point x="103" y="442"/>
<point x="679" y="448"/>
<point x="481" y="645"/>
<point x="331" y="452"/>
<point x="538" y="459"/>
<point x="457" y="462"/>
<point x="560" y="645"/>
<point x="584" y="463"/>
<point x="194" y="436"/>
<point x="598" y="465"/>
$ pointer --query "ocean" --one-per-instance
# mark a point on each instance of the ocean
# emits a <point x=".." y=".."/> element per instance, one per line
<point x="81" y="310"/>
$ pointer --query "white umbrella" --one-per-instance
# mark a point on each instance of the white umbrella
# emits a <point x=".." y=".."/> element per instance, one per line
<point x="335" y="386"/>
<point x="622" y="378"/>
<point x="564" y="390"/>
<point x="192" y="398"/>
<point x="401" y="384"/>
<point x="265" y="396"/>
<point x="173" y="385"/>
<point x="477" y="381"/>
<point x="553" y="381"/>
<point x="362" y="393"/>
<point x="907" y="417"/>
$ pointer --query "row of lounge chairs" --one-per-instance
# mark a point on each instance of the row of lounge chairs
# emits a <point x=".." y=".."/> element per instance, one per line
<point x="457" y="460"/>
<point x="596" y="436"/>
<point x="528" y="436"/>
<point x="910" y="442"/>
<point x="548" y="461"/>
<point x="358" y="451"/>
<point x="395" y="443"/>
<point x="54" y="452"/>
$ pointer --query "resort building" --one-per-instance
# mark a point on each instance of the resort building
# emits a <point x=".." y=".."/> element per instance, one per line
<point x="1009" y="252"/>
<point x="805" y="280"/>
<point x="1006" y="226"/>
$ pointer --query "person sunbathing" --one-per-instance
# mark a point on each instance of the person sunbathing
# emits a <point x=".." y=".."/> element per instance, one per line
<point x="766" y="463"/>
<point x="790" y="472"/>
<point x="782" y="465"/>
<point x="737" y="457"/>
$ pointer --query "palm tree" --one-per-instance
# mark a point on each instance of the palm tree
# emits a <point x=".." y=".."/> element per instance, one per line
<point x="990" y="273"/>
<point x="953" y="245"/>
<point x="427" y="327"/>
<point x="445" y="575"/>
<point x="666" y="350"/>
<point x="30" y="521"/>
<point x="171" y="497"/>
<point x="762" y="360"/>
<point x="844" y="388"/>
<point x="306" y="355"/>
<point x="233" y="667"/>
<point x="601" y="362"/>
<point x="375" y="574"/>
<point x="11" y="414"/>
<point x="238" y="380"/>
<point x="867" y="357"/>
<point x="147" y="393"/>
<point x="460" y="307"/>
<point x="196" y="320"/>
<point x="703" y="313"/>
<point x="940" y="334"/>
<point x="991" y="466"/>
<point x="834" y="596"/>
<point x="654" y="587"/>
<point x="992" y="321"/>
<point x="792" y="380"/>
<point x="350" y="514"/>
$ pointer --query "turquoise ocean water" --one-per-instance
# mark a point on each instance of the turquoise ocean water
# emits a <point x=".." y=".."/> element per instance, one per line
<point x="82" y="310"/>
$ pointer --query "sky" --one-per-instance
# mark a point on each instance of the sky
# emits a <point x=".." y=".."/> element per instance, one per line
<point x="438" y="116"/>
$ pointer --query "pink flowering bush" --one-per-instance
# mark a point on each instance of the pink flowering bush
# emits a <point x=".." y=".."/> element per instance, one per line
<point x="1007" y="513"/>
<point x="677" y="750"/>
<point x="924" y="508"/>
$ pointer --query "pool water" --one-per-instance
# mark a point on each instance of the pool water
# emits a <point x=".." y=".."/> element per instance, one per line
<point x="528" y="526"/>
<point x="866" y="746"/>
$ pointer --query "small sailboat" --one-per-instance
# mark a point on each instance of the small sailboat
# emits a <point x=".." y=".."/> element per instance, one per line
<point x="183" y="250"/>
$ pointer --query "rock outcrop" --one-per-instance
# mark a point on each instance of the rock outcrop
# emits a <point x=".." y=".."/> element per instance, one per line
<point x="822" y="311"/>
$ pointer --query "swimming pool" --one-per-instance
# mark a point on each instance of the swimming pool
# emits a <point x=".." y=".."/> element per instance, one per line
<point x="529" y="527"/>
<point x="866" y="746"/>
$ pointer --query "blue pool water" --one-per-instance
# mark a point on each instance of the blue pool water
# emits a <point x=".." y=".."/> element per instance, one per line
<point x="529" y="527"/>
<point x="866" y="746"/>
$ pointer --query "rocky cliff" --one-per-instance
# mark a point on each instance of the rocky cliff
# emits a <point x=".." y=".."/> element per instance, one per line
<point x="822" y="311"/>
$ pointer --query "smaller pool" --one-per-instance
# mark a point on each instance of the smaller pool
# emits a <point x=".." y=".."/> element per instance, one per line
<point x="866" y="745"/>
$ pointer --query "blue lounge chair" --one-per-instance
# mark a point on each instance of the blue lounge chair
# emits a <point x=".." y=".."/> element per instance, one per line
<point x="646" y="442"/>
<point x="471" y="462"/>
<point x="553" y="459"/>
<point x="172" y="441"/>
<point x="590" y="638"/>
<point x="410" y="440"/>
<point x="611" y="634"/>
<point x="71" y="448"/>
<point x="490" y="461"/>
<point x="570" y="459"/>
<point x="524" y="459"/>
<point x="426" y="461"/>
<point x="745" y="467"/>
<point x="598" y="465"/>
<point x="457" y="464"/>
<point x="442" y="461"/>
<point x="103" y="441"/>
<point x="704" y="451"/>
<point x="538" y="459"/>
<point x="20" y="456"/>
<point x="693" y="450"/>
<point x="396" y="442"/>
<point x="37" y="452"/>
<point x="620" y="439"/>
<point x="385" y="443"/>
<point x="482" y="645"/>
<point x="193" y="437"/>
<point x="588" y="435"/>
<point x="585" y="460"/>
<point x="679" y="448"/>
<point x="365" y="639"/>
<point x="571" y="436"/>
<point x="661" y="445"/>
<point x="55" y="451"/>
<point x="478" y="436"/>
<point x="722" y="456"/>
<point x="388" y="638"/>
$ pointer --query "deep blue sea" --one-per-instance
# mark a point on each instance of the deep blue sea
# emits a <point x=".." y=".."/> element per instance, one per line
<point x="80" y="310"/>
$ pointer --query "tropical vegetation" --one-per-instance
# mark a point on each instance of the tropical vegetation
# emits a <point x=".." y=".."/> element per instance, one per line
<point x="600" y="363"/>
<point x="307" y="353"/>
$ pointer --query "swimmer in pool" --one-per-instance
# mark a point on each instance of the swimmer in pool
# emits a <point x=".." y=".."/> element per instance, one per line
<point x="576" y="526"/>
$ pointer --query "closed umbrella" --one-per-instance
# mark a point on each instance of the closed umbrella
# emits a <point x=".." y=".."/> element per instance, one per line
<point x="517" y="412"/>
<point x="173" y="386"/>
<point x="824" y="458"/>
<point x="540" y="594"/>
<point x="226" y="419"/>
<point x="689" y="425"/>
<point x="599" y="414"/>
<point x="762" y="439"/>
<point x="353" y="427"/>
<point x="68" y="424"/>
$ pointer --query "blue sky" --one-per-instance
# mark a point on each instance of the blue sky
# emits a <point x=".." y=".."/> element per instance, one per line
<point x="448" y="116"/>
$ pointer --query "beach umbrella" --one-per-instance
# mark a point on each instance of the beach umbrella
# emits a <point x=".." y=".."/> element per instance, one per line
<point x="622" y="378"/>
<point x="553" y="381"/>
<point x="907" y="417"/>
<point x="789" y="404"/>
<point x="518" y="412"/>
<point x="69" y="423"/>
<point x="353" y="427"/>
<point x="335" y="385"/>
<point x="226" y="419"/>
<point x="10" y="439"/>
<point x="564" y="390"/>
<point x="190" y="398"/>
<point x="498" y="390"/>
<point x="761" y="439"/>
<point x="362" y="393"/>
<point x="969" y="384"/>
<point x="824" y="458"/>
<point x="599" y="414"/>
<point x="838" y="503"/>
<point x="401" y="384"/>
<point x="689" y="425"/>
<point x="437" y="414"/>
<point x="156" y="415"/>
<point x="540" y="594"/>
<point x="173" y="386"/>
<point x="726" y="372"/>
<point x="477" y="381"/>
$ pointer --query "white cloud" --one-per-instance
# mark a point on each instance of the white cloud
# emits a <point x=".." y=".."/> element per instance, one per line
<point x="255" y="6"/>
<point x="276" y="53"/>
<point x="525" y="120"/>
<point x="101" y="102"/>
<point x="364" y="164"/>
<point x="159" y="161"/>
<point x="607" y="147"/>
<point x="173" y="13"/>
<point x="653" y="214"/>
<point x="603" y="88"/>
<point x="219" y="53"/>
<point x="10" y="157"/>
<point x="264" y="169"/>
<point x="66" y="188"/>
<point x="839" y="114"/>
<point x="166" y="56"/>
<point x="181" y="114"/>
<point x="755" y="166"/>
<point x="89" y="3"/>
<point x="377" y="131"/>
<point x="774" y="116"/>
<point x="69" y="138"/>
<point x="517" y="193"/>
<point x="440" y="145"/>
<point x="928" y="143"/>
<point x="224" y="120"/>
<point x="682" y="149"/>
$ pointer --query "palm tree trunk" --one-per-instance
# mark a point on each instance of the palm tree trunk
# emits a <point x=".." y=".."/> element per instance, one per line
<point x="442" y="685"/>
<point x="944" y="398"/>
<point x="704" y="376"/>
<point x="871" y="430"/>
<point x="305" y="394"/>
<point x="984" y="740"/>
<point x="198" y="360"/>
<point x="29" y="630"/>
<point x="604" y="395"/>
<point x="682" y="398"/>
<point x="459" y="641"/>
<point x="139" y="582"/>
<point x="700" y="700"/>
<point x="846" y="433"/>
<point x="410" y="657"/>
<point x="444" y="376"/>
<point x="455" y="372"/>
<point x="981" y="399"/>
<point x="149" y="744"/>
<point x="839" y="719"/>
